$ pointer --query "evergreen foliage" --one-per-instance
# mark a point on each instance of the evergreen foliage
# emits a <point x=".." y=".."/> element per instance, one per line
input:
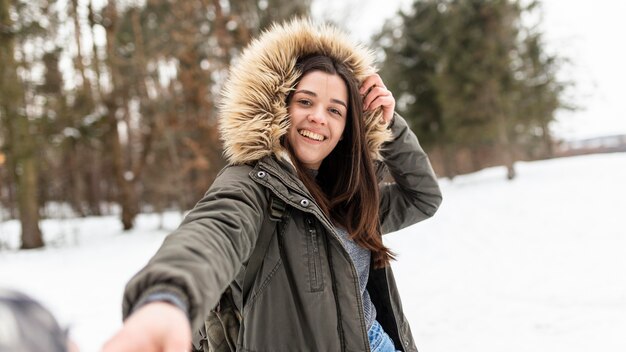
<point x="474" y="80"/>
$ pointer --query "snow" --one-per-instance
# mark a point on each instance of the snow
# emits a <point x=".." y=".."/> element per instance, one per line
<point x="536" y="264"/>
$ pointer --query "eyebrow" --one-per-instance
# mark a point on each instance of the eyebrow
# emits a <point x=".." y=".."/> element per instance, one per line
<point x="308" y="92"/>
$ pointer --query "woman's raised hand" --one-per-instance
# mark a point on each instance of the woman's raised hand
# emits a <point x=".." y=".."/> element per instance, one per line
<point x="375" y="95"/>
<point x="155" y="327"/>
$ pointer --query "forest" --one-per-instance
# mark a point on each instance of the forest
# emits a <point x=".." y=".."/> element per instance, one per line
<point x="110" y="107"/>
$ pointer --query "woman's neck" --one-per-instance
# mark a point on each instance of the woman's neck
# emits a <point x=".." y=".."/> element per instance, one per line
<point x="312" y="172"/>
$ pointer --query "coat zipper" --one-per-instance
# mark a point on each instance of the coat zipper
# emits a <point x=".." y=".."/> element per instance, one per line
<point x="342" y="339"/>
<point x="315" y="261"/>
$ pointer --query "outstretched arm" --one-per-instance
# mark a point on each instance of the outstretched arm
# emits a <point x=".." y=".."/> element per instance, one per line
<point x="193" y="266"/>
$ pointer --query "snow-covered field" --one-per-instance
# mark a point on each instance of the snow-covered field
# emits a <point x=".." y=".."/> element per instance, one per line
<point x="537" y="264"/>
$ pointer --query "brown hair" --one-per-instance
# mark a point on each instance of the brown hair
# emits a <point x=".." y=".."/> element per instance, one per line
<point x="346" y="187"/>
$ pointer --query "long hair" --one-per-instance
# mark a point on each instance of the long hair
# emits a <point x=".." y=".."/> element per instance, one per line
<point x="346" y="187"/>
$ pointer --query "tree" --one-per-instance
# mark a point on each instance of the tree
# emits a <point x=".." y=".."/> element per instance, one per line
<point x="170" y="120"/>
<point x="466" y="73"/>
<point x="19" y="140"/>
<point x="542" y="94"/>
<point x="130" y="120"/>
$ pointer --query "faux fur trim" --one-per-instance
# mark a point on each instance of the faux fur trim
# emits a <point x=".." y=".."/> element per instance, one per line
<point x="253" y="112"/>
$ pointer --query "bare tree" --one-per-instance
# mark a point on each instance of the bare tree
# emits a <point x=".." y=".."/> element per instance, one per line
<point x="22" y="158"/>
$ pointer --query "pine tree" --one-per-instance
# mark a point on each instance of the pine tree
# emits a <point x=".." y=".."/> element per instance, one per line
<point x="466" y="74"/>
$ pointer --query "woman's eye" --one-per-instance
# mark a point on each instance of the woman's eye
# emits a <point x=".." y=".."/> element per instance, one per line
<point x="304" y="102"/>
<point x="335" y="111"/>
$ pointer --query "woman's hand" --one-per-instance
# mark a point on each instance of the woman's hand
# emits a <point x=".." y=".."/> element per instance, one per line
<point x="376" y="95"/>
<point x="155" y="327"/>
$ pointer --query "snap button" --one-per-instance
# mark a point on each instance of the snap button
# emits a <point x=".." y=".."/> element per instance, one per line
<point x="261" y="174"/>
<point x="304" y="202"/>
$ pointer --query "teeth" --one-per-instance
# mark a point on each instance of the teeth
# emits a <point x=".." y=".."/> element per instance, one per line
<point x="312" y="135"/>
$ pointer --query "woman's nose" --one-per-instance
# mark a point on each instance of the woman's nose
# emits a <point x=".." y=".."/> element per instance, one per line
<point x="317" y="116"/>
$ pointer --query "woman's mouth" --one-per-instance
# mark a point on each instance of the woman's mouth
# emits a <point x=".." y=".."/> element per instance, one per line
<point x="311" y="135"/>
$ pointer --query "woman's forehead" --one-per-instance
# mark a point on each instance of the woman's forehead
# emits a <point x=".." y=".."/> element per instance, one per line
<point x="319" y="82"/>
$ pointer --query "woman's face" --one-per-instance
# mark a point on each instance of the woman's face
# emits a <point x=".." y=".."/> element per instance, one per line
<point x="318" y="111"/>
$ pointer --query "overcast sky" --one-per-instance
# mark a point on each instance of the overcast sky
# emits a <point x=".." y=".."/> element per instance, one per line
<point x="590" y="34"/>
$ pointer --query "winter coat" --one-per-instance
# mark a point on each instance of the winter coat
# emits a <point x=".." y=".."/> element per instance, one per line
<point x="306" y="295"/>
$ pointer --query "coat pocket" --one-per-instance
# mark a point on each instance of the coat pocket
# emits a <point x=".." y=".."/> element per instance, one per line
<point x="316" y="276"/>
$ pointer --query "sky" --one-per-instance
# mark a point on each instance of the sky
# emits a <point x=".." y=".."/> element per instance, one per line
<point x="590" y="35"/>
<point x="586" y="33"/>
<point x="500" y="267"/>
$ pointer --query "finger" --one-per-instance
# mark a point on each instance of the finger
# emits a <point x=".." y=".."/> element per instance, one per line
<point x="387" y="104"/>
<point x="370" y="82"/>
<point x="373" y="95"/>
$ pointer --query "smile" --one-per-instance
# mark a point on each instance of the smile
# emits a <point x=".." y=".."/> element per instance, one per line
<point x="311" y="135"/>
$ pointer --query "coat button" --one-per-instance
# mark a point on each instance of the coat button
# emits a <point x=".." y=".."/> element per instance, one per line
<point x="261" y="174"/>
<point x="304" y="203"/>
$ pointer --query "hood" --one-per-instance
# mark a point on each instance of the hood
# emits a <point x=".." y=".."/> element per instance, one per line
<point x="253" y="112"/>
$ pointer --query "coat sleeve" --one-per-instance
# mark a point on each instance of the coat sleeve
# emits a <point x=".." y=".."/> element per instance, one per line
<point x="201" y="258"/>
<point x="414" y="195"/>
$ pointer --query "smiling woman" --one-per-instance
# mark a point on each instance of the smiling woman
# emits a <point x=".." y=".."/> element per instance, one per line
<point x="318" y="111"/>
<point x="327" y="135"/>
<point x="306" y="123"/>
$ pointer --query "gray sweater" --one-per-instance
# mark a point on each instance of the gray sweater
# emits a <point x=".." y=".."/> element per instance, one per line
<point x="361" y="260"/>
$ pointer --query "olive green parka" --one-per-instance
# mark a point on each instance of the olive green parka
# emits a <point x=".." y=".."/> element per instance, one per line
<point x="306" y="295"/>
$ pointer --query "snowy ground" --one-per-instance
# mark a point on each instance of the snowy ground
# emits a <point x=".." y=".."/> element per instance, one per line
<point x="537" y="264"/>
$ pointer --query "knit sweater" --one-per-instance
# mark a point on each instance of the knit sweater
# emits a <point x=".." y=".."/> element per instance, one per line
<point x="361" y="260"/>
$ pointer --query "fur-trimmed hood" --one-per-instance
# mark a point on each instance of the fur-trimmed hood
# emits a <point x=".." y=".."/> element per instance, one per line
<point x="253" y="113"/>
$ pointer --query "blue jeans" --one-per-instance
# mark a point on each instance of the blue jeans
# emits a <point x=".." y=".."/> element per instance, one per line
<point x="379" y="340"/>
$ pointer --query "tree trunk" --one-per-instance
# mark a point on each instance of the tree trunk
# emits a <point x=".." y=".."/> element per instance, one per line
<point x="79" y="149"/>
<point x="95" y="59"/>
<point x="126" y="189"/>
<point x="547" y="140"/>
<point x="93" y="180"/>
<point x="79" y="52"/>
<point x="28" y="201"/>
<point x="22" y="155"/>
<point x="506" y="148"/>
<point x="76" y="181"/>
<point x="95" y="175"/>
<point x="23" y="162"/>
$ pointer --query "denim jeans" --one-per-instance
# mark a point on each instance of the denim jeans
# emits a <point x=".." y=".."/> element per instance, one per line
<point x="379" y="340"/>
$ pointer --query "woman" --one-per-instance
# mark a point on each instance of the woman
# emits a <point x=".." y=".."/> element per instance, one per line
<point x="305" y="119"/>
